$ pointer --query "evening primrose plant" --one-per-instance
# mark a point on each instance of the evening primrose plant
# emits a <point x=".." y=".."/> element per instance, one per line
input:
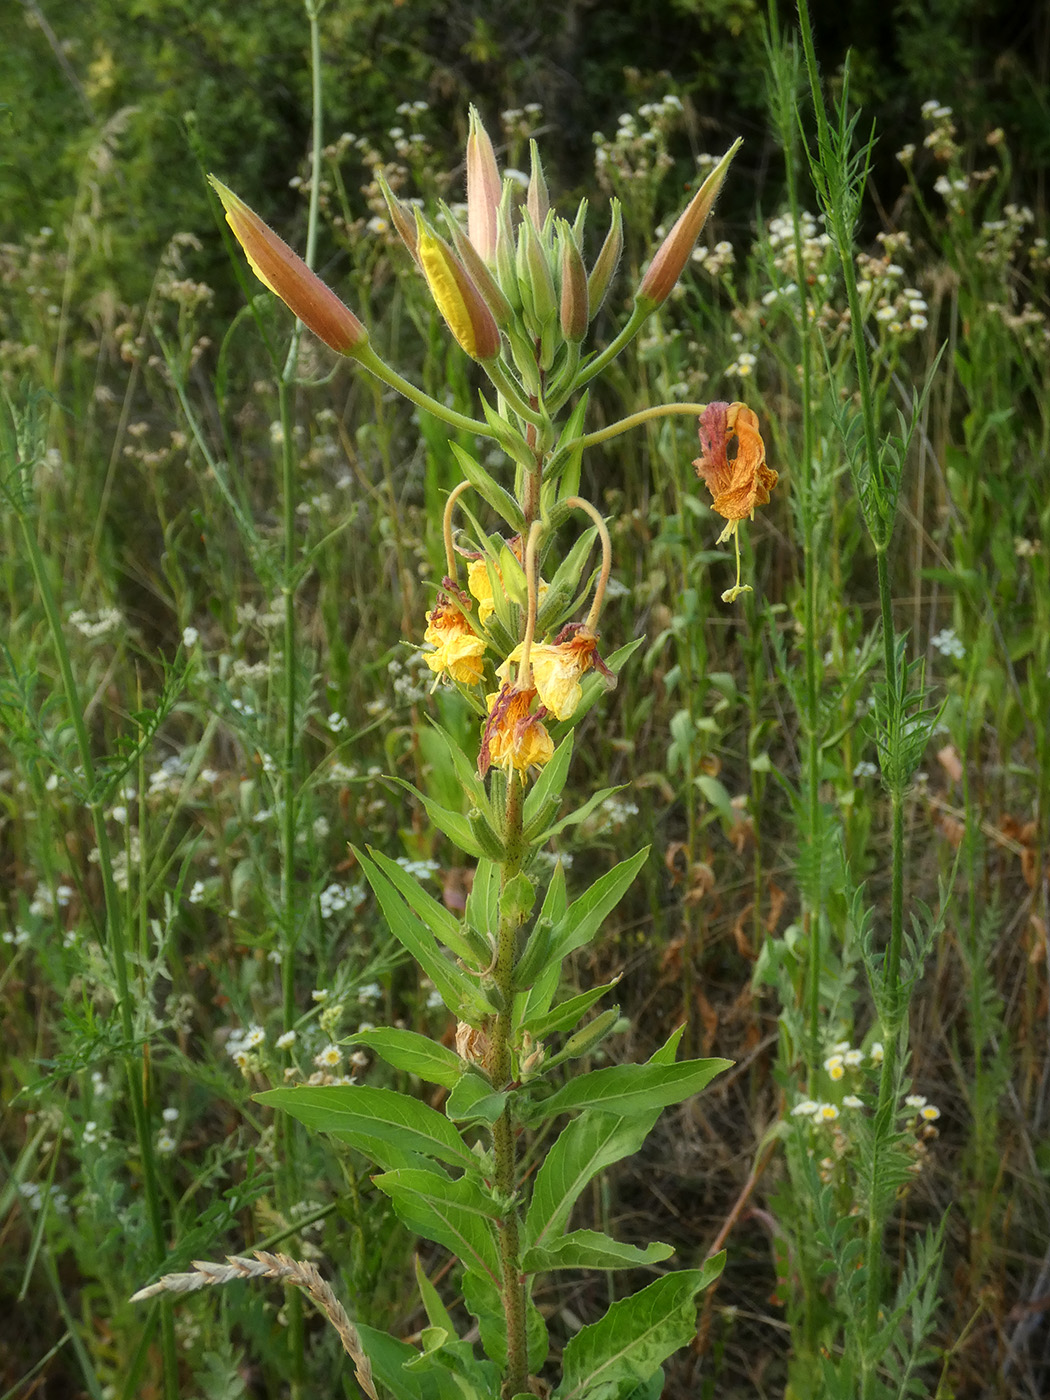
<point x="515" y="629"/>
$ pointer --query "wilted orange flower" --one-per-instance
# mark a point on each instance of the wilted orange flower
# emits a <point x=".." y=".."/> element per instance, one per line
<point x="457" y="651"/>
<point x="740" y="483"/>
<point x="513" y="737"/>
<point x="557" y="667"/>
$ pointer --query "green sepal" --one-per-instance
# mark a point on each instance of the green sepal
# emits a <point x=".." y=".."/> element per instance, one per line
<point x="590" y="1249"/>
<point x="514" y="583"/>
<point x="473" y="1100"/>
<point x="457" y="1214"/>
<point x="501" y="501"/>
<point x="588" y="1037"/>
<point x="625" y="1347"/>
<point x="458" y="991"/>
<point x="354" y="1113"/>
<point x="566" y="1015"/>
<point x="457" y="937"/>
<point x="627" y="1089"/>
<point x="481" y="829"/>
<point x="413" y="1053"/>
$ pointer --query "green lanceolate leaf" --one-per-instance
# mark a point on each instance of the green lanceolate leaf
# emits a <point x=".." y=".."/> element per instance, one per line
<point x="548" y="786"/>
<point x="390" y="1357"/>
<point x="501" y="501"/>
<point x="613" y="1356"/>
<point x="458" y="992"/>
<point x="454" y="824"/>
<point x="573" y="818"/>
<point x="437" y="1313"/>
<point x="473" y="1100"/>
<point x="445" y="927"/>
<point x="590" y="1143"/>
<point x="466" y="771"/>
<point x="565" y="1016"/>
<point x="590" y="1249"/>
<point x="457" y="1214"/>
<point x="627" y="1089"/>
<point x="356" y="1113"/>
<point x="482" y="911"/>
<point x="413" y="1053"/>
<point x="585" y="916"/>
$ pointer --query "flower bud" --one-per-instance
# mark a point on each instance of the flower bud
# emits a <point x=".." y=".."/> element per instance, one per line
<point x="286" y="275"/>
<point x="401" y="217"/>
<point x="456" y="296"/>
<point x="575" y="308"/>
<point x="478" y="272"/>
<point x="673" y="253"/>
<point x="607" y="260"/>
<point x="483" y="189"/>
<point x="535" y="269"/>
<point x="537" y="200"/>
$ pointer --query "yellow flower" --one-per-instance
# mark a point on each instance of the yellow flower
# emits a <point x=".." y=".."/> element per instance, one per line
<point x="514" y="737"/>
<point x="557" y="667"/>
<point x="480" y="585"/>
<point x="740" y="483"/>
<point x="457" y="651"/>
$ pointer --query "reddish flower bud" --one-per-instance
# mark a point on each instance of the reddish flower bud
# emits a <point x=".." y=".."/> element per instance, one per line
<point x="484" y="188"/>
<point x="288" y="277"/>
<point x="575" y="307"/>
<point x="673" y="253"/>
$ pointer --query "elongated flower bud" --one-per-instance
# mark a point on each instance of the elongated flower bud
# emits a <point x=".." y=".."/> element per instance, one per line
<point x="673" y="253"/>
<point x="478" y="271"/>
<point x="537" y="270"/>
<point x="607" y="260"/>
<point x="288" y="277"/>
<point x="575" y="308"/>
<point x="483" y="188"/>
<point x="456" y="296"/>
<point x="537" y="200"/>
<point x="400" y="216"/>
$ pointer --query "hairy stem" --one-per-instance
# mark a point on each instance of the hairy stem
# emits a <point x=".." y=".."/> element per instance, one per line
<point x="501" y="1065"/>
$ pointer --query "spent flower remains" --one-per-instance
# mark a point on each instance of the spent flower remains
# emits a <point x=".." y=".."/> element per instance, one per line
<point x="515" y="629"/>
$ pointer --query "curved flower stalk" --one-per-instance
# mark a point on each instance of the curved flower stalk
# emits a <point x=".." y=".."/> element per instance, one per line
<point x="515" y="290"/>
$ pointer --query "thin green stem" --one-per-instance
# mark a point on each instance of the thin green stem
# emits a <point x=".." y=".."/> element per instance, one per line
<point x="368" y="359"/>
<point x="623" y="425"/>
<point x="115" y="939"/>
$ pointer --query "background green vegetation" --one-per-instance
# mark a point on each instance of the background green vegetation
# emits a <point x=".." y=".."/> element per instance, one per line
<point x="145" y="397"/>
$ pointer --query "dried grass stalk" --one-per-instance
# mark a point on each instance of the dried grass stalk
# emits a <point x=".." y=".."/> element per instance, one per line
<point x="287" y="1270"/>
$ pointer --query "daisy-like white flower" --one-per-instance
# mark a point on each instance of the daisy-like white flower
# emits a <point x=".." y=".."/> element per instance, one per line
<point x="834" y="1066"/>
<point x="853" y="1058"/>
<point x="805" y="1108"/>
<point x="329" y="1057"/>
<point x="876" y="1053"/>
<point x="929" y="1113"/>
<point x="915" y="1101"/>
<point x="826" y="1113"/>
<point x="852" y="1101"/>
